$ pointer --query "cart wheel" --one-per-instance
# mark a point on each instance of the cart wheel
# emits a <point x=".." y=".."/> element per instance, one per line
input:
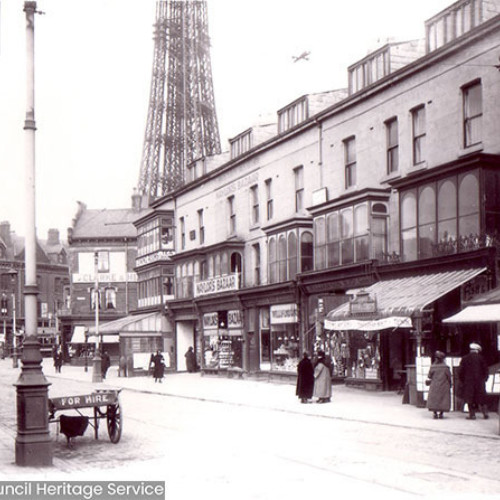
<point x="114" y="420"/>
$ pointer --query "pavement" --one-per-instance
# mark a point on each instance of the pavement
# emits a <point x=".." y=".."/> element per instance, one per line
<point x="381" y="408"/>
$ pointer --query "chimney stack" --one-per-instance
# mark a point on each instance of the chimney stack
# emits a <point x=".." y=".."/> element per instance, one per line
<point x="53" y="237"/>
<point x="5" y="233"/>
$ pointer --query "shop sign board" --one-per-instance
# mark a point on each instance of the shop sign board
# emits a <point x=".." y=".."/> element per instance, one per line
<point x="104" y="277"/>
<point x="234" y="319"/>
<point x="216" y="285"/>
<point x="158" y="256"/>
<point x="284" y="313"/>
<point x="210" y="321"/>
<point x="363" y="304"/>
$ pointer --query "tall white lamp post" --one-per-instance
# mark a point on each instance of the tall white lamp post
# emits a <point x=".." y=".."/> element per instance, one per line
<point x="33" y="442"/>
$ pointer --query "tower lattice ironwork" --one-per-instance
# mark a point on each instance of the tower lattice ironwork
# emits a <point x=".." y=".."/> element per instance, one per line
<point x="182" y="121"/>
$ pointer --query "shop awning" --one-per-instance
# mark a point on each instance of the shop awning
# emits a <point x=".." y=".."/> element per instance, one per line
<point x="78" y="336"/>
<point x="132" y="322"/>
<point x="482" y="313"/>
<point x="400" y="298"/>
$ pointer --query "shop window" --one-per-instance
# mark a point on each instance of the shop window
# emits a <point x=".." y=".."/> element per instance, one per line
<point x="284" y="347"/>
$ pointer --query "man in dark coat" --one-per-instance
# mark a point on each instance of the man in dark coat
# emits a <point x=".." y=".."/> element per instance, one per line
<point x="305" y="379"/>
<point x="105" y="364"/>
<point x="190" y="360"/>
<point x="473" y="374"/>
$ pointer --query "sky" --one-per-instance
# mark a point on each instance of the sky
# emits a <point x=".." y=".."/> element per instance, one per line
<point x="93" y="63"/>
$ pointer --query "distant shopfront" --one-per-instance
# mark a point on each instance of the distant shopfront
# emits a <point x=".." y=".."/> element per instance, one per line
<point x="222" y="340"/>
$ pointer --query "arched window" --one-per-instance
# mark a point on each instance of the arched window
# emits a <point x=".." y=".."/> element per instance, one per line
<point x="319" y="243"/>
<point x="409" y="226"/>
<point x="282" y="258"/>
<point x="292" y="256"/>
<point x="224" y="265"/>
<point x="306" y="252"/>
<point x="447" y="214"/>
<point x="426" y="221"/>
<point x="273" y="271"/>
<point x="468" y="206"/>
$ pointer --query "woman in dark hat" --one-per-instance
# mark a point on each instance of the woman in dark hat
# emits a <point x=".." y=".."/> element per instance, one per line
<point x="439" y="381"/>
<point x="305" y="379"/>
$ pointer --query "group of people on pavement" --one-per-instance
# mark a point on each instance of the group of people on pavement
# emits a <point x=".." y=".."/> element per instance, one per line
<point x="314" y="379"/>
<point x="472" y="377"/>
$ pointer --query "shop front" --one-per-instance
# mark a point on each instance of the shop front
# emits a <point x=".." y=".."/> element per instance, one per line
<point x="283" y="345"/>
<point x="386" y="329"/>
<point x="222" y="341"/>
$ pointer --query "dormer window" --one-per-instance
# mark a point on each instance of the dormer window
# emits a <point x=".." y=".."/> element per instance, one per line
<point x="292" y="115"/>
<point x="241" y="144"/>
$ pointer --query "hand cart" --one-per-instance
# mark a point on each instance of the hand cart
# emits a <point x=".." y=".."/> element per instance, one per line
<point x="105" y="405"/>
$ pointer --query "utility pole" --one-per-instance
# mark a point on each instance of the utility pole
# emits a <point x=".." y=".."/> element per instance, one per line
<point x="33" y="442"/>
<point x="96" y="374"/>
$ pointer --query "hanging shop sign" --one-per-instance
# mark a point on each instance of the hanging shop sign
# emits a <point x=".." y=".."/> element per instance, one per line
<point x="284" y="313"/>
<point x="216" y="285"/>
<point x="362" y="304"/>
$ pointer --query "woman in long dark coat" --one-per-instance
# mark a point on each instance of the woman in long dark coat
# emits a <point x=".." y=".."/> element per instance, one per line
<point x="158" y="366"/>
<point x="439" y="399"/>
<point x="305" y="379"/>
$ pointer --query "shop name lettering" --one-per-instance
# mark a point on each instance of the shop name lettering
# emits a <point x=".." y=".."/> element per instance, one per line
<point x="104" y="277"/>
<point x="284" y="313"/>
<point x="162" y="255"/>
<point x="235" y="186"/>
<point x="90" y="399"/>
<point x="222" y="284"/>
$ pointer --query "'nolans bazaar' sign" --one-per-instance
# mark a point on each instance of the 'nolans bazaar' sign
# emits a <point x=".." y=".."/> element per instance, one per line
<point x="216" y="285"/>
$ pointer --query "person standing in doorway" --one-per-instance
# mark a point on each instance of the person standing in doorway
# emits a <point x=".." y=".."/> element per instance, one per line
<point x="305" y="379"/>
<point x="439" y="381"/>
<point x="473" y="374"/>
<point x="190" y="360"/>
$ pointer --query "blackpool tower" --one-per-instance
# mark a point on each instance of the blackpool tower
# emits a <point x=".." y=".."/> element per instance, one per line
<point x="182" y="121"/>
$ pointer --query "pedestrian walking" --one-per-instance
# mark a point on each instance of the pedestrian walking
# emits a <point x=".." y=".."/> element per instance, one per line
<point x="105" y="364"/>
<point x="439" y="381"/>
<point x="190" y="360"/>
<point x="158" y="363"/>
<point x="322" y="380"/>
<point x="305" y="379"/>
<point x="58" y="359"/>
<point x="473" y="374"/>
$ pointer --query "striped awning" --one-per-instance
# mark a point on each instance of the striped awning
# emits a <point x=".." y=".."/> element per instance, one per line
<point x="401" y="297"/>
